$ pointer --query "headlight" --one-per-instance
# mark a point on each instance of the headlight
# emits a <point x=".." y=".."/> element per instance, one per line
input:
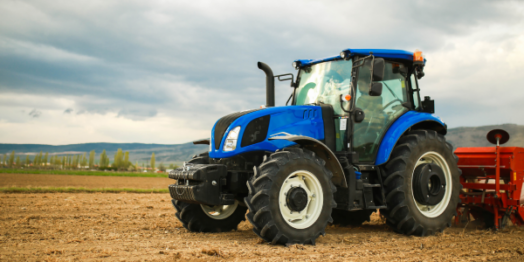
<point x="296" y="65"/>
<point x="231" y="139"/>
<point x="343" y="54"/>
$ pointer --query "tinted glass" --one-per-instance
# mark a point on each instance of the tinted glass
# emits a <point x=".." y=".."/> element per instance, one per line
<point x="324" y="83"/>
<point x="380" y="111"/>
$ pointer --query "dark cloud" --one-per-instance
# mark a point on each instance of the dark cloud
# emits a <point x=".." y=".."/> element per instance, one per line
<point x="198" y="61"/>
<point x="35" y="113"/>
<point x="68" y="111"/>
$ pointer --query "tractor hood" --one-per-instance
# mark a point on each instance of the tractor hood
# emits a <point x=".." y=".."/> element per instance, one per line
<point x="251" y="129"/>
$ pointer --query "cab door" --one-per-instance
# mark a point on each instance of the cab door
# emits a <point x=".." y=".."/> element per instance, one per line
<point x="380" y="111"/>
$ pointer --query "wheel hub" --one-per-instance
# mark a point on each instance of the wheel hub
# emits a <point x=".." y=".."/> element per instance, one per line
<point x="429" y="184"/>
<point x="297" y="199"/>
<point x="300" y="199"/>
<point x="219" y="212"/>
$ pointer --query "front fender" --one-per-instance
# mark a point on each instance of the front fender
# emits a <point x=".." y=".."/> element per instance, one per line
<point x="332" y="163"/>
<point x="399" y="127"/>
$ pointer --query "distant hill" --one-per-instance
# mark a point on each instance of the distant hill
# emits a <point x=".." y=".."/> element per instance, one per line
<point x="137" y="151"/>
<point x="459" y="137"/>
<point x="476" y="136"/>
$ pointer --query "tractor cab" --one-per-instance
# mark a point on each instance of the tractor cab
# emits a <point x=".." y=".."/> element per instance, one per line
<point x="378" y="87"/>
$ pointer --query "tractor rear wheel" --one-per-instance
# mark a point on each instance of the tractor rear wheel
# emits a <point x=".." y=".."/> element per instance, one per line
<point x="290" y="197"/>
<point x="203" y="218"/>
<point x="422" y="184"/>
<point x="351" y="218"/>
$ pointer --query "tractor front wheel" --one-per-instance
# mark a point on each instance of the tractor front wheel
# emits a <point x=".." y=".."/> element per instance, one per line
<point x="202" y="158"/>
<point x="290" y="197"/>
<point x="204" y="218"/>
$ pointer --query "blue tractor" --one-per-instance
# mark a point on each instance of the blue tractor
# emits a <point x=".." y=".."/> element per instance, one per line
<point x="355" y="138"/>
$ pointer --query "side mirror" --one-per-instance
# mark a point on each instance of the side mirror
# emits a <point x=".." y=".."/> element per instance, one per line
<point x="376" y="89"/>
<point x="379" y="66"/>
<point x="358" y="115"/>
<point x="286" y="77"/>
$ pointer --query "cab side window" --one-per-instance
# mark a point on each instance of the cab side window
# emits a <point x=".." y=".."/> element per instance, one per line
<point x="394" y="89"/>
<point x="380" y="111"/>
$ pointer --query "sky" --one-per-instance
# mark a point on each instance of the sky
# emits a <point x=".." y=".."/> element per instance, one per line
<point x="166" y="71"/>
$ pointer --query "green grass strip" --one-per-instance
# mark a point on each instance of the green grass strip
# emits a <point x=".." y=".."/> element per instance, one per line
<point x="78" y="190"/>
<point x="78" y="172"/>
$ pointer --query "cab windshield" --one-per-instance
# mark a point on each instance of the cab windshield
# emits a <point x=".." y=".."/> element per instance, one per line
<point x="324" y="83"/>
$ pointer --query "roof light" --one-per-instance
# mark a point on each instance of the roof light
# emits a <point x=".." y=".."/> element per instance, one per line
<point x="345" y="54"/>
<point x="418" y="56"/>
<point x="296" y="64"/>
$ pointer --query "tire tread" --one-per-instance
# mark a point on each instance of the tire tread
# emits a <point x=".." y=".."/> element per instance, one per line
<point x="399" y="215"/>
<point x="259" y="190"/>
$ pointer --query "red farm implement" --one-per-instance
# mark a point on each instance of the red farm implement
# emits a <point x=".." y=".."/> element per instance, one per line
<point x="492" y="180"/>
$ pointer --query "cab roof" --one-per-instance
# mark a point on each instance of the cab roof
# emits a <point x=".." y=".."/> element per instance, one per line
<point x="384" y="53"/>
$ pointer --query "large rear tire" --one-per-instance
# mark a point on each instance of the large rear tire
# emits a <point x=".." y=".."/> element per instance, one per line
<point x="422" y="184"/>
<point x="290" y="197"/>
<point x="202" y="218"/>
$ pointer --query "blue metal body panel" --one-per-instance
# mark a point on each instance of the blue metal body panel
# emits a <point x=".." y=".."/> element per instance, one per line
<point x="398" y="128"/>
<point x="294" y="120"/>
<point x="384" y="53"/>
<point x="306" y="62"/>
<point x="307" y="121"/>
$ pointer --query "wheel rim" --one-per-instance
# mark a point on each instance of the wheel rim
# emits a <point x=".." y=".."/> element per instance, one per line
<point x="219" y="212"/>
<point x="432" y="211"/>
<point x="315" y="199"/>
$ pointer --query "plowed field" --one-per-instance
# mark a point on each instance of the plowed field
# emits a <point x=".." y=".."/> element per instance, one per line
<point x="143" y="227"/>
<point x="36" y="180"/>
<point x="138" y="227"/>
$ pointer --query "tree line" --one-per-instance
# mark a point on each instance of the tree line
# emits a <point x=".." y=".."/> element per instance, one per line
<point x="79" y="161"/>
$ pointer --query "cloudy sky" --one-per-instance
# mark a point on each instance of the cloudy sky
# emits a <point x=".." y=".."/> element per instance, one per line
<point x="165" y="71"/>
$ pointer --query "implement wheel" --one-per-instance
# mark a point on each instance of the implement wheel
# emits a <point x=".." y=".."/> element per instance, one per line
<point x="204" y="218"/>
<point x="351" y="218"/>
<point x="422" y="184"/>
<point x="290" y="197"/>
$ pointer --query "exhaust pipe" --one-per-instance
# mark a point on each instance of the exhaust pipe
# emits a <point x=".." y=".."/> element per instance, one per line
<point x="270" y="84"/>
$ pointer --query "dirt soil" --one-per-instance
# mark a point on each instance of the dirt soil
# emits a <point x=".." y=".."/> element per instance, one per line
<point x="139" y="227"/>
<point x="38" y="180"/>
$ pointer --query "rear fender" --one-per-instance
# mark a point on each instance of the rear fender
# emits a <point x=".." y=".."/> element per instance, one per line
<point x="411" y="120"/>
<point x="321" y="150"/>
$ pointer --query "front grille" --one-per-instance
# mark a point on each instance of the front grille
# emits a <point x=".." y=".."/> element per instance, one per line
<point x="256" y="131"/>
<point x="224" y="122"/>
